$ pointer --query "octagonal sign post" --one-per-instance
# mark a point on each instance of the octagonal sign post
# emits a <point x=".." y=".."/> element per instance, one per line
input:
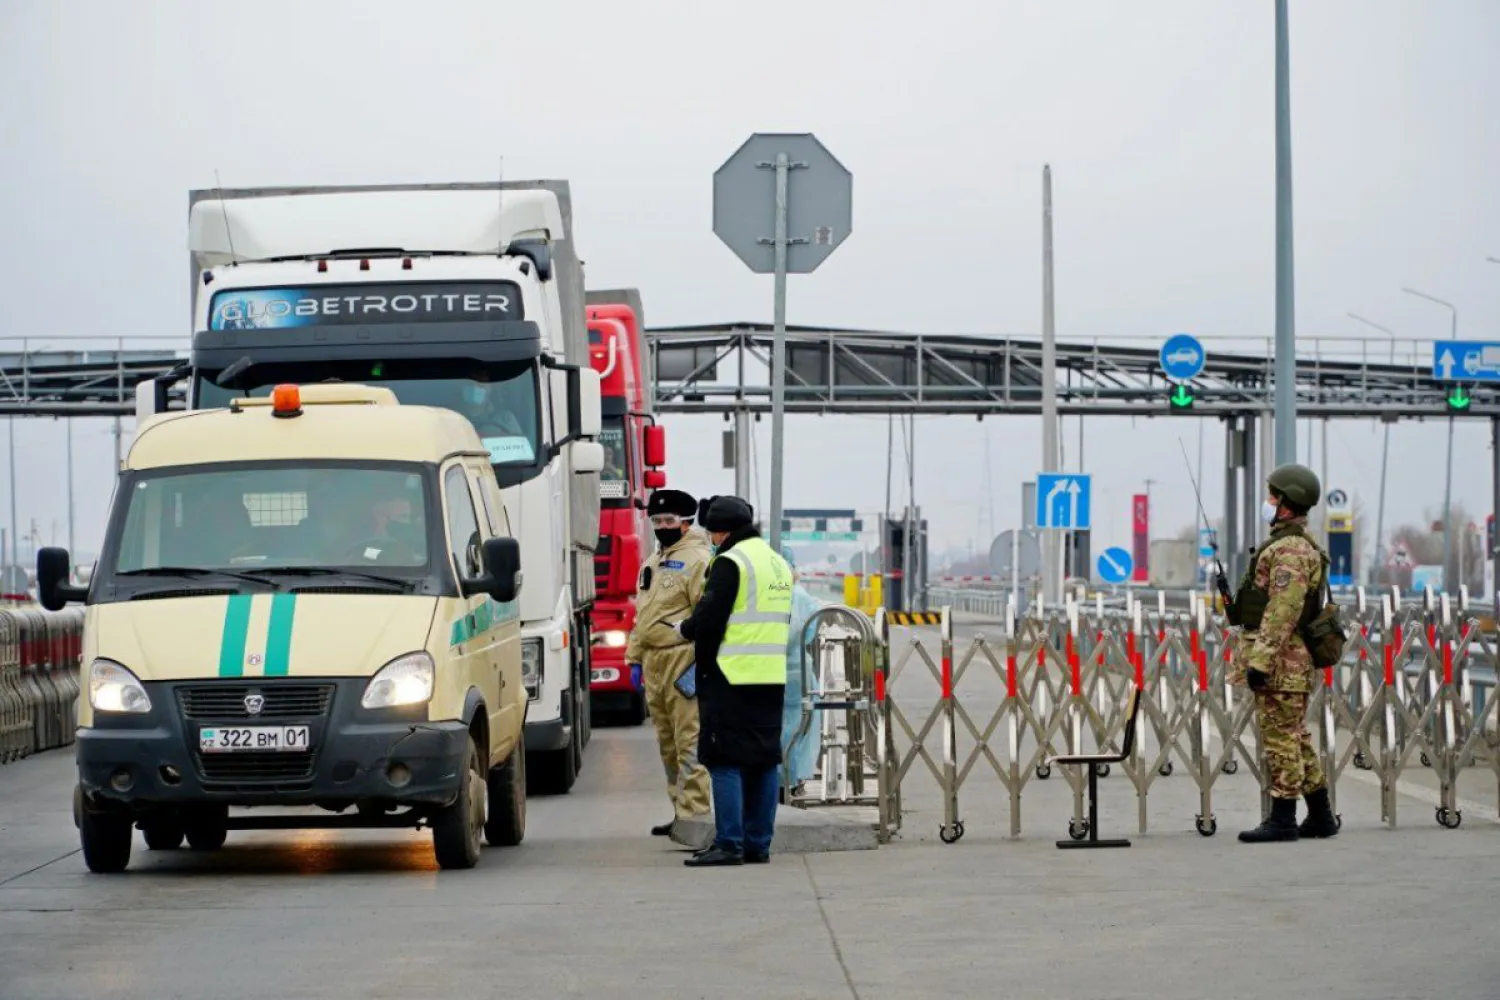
<point x="782" y="203"/>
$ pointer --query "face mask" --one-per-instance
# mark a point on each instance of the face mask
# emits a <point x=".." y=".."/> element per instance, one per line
<point x="1268" y="512"/>
<point x="667" y="537"/>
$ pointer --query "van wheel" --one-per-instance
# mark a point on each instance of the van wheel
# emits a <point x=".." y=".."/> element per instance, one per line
<point x="506" y="826"/>
<point x="457" y="829"/>
<point x="207" y="827"/>
<point x="106" y="839"/>
<point x="163" y="835"/>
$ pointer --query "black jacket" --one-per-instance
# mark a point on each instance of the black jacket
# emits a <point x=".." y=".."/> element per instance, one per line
<point x="738" y="725"/>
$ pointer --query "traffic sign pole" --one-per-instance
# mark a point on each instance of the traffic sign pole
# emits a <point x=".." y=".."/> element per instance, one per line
<point x="778" y="351"/>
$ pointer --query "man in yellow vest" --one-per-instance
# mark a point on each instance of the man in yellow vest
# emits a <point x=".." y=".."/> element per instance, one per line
<point x="740" y="631"/>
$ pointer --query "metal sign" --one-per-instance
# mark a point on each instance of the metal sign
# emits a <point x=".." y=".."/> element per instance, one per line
<point x="819" y="202"/>
<point x="1340" y="523"/>
<point x="783" y="204"/>
<point x="1338" y="498"/>
<point x="1115" y="565"/>
<point x="1182" y="357"/>
<point x="1062" y="501"/>
<point x="1466" y="360"/>
<point x="1007" y="550"/>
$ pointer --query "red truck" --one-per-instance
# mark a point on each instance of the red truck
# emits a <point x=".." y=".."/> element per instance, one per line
<point x="634" y="452"/>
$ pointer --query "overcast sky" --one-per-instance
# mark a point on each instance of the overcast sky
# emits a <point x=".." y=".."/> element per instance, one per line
<point x="1157" y="118"/>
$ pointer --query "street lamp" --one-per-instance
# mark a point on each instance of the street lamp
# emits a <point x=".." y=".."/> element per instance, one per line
<point x="1448" y="482"/>
<point x="1385" y="451"/>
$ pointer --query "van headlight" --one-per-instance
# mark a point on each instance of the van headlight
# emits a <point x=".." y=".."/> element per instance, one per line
<point x="531" y="666"/>
<point x="406" y="680"/>
<point x="112" y="688"/>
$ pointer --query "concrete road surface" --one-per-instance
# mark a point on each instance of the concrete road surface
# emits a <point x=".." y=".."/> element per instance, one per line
<point x="590" y="906"/>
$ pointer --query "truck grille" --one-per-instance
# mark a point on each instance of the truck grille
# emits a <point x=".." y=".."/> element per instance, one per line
<point x="226" y="702"/>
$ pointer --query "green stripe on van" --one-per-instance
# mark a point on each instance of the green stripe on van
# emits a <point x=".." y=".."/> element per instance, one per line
<point x="279" y="635"/>
<point x="232" y="642"/>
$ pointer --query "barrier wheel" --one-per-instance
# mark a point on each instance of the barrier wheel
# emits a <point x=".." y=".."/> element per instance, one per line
<point x="1102" y="770"/>
<point x="1230" y="767"/>
<point x="1426" y="760"/>
<point x="1338" y="821"/>
<point x="1078" y="829"/>
<point x="1165" y="770"/>
<point x="951" y="834"/>
<point x="1449" y="818"/>
<point x="1044" y="771"/>
<point x="1206" y="827"/>
<point x="1361" y="761"/>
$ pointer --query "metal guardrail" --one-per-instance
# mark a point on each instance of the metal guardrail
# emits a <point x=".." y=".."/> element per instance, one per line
<point x="39" y="679"/>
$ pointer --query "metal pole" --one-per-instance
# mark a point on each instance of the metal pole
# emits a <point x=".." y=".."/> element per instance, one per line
<point x="778" y="358"/>
<point x="742" y="452"/>
<point x="70" y="484"/>
<point x="885" y="519"/>
<point x="1385" y="451"/>
<point x="1051" y="462"/>
<point x="1493" y="554"/>
<point x="1286" y="333"/>
<point x="1233" y="459"/>
<point x="1323" y="507"/>
<point x="1250" y="522"/>
<point x="15" y="529"/>
<point x="1448" y="585"/>
<point x="908" y="587"/>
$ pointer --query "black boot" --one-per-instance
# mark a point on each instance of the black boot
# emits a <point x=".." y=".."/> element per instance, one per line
<point x="1280" y="825"/>
<point x="665" y="830"/>
<point x="715" y="857"/>
<point x="1320" y="823"/>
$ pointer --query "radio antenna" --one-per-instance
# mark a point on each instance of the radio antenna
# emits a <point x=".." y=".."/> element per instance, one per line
<point x="500" y="204"/>
<point x="228" y="233"/>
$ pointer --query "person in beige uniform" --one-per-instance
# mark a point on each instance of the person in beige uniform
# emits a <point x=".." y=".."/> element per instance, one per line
<point x="670" y="585"/>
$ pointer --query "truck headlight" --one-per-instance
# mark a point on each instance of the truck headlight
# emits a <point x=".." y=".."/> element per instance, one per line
<point x="112" y="688"/>
<point x="613" y="638"/>
<point x="531" y="666"/>
<point x="406" y="680"/>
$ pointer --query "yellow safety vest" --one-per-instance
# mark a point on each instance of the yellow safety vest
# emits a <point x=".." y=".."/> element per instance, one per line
<point x="755" y="643"/>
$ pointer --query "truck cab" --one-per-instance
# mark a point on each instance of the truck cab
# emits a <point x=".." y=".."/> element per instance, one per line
<point x="303" y="599"/>
<point x="464" y="297"/>
<point x="635" y="448"/>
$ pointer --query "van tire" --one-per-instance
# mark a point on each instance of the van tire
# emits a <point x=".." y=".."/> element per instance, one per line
<point x="457" y="829"/>
<point x="506" y="825"/>
<point x="106" y="839"/>
<point x="553" y="773"/>
<point x="163" y="835"/>
<point x="207" y="828"/>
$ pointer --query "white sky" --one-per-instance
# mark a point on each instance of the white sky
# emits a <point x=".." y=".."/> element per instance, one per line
<point x="1156" y="117"/>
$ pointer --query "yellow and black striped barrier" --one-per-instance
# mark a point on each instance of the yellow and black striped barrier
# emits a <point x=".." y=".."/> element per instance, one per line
<point x="914" y="617"/>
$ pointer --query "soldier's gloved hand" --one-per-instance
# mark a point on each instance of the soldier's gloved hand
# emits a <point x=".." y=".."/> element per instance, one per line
<point x="1256" y="679"/>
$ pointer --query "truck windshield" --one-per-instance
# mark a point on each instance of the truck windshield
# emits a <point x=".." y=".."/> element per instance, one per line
<point x="212" y="526"/>
<point x="500" y="400"/>
<point x="614" y="478"/>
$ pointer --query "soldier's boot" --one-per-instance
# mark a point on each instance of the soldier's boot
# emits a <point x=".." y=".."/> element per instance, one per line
<point x="1280" y="825"/>
<point x="1320" y="822"/>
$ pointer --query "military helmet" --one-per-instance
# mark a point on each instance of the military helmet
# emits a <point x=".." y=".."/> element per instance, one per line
<point x="1296" y="484"/>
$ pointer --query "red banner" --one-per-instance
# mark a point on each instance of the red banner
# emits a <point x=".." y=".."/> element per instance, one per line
<point x="1141" y="535"/>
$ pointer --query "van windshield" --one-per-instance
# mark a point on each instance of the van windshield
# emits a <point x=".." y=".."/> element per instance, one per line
<point x="264" y="520"/>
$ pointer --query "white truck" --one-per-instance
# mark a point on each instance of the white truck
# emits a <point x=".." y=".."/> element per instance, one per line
<point x="467" y="296"/>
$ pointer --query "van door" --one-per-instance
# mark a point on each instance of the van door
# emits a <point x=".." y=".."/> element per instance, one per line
<point x="505" y="643"/>
<point x="474" y="661"/>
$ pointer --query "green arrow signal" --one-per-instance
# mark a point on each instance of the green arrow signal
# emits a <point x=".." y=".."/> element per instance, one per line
<point x="1181" y="397"/>
<point x="1459" y="399"/>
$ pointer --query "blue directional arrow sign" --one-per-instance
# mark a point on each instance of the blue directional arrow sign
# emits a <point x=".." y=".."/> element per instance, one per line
<point x="1115" y="565"/>
<point x="1182" y="357"/>
<point x="1466" y="360"/>
<point x="1062" y="501"/>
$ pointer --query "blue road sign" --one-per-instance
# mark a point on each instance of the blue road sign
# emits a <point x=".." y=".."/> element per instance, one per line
<point x="1062" y="501"/>
<point x="1182" y="357"/>
<point x="1115" y="565"/>
<point x="1466" y="360"/>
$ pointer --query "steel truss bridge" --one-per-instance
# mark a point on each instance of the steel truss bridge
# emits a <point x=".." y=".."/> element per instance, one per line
<point x="725" y="368"/>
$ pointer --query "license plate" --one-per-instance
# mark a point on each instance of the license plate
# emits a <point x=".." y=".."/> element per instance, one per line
<point x="233" y="739"/>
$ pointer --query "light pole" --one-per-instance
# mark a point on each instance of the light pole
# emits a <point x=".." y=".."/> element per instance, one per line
<point x="1448" y="480"/>
<point x="1285" y="425"/>
<point x="1385" y="451"/>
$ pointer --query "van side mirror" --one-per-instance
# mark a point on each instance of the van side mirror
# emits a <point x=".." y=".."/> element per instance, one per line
<point x="502" y="571"/>
<point x="54" y="590"/>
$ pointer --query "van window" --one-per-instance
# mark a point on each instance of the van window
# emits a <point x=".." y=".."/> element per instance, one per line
<point x="463" y="525"/>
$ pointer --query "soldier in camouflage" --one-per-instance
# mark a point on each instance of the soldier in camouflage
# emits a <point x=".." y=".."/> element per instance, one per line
<point x="1272" y="604"/>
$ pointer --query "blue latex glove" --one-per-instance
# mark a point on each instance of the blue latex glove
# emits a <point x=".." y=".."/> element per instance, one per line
<point x="635" y="676"/>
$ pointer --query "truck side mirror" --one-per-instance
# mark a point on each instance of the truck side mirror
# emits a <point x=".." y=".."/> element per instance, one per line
<point x="502" y="571"/>
<point x="588" y="456"/>
<point x="654" y="479"/>
<point x="53" y="589"/>
<point x="590" y="414"/>
<point x="656" y="447"/>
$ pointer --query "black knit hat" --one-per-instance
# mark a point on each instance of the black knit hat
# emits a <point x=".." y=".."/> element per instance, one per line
<point x="727" y="514"/>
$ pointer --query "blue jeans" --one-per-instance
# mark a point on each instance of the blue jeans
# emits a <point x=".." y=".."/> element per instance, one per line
<point x="745" y="802"/>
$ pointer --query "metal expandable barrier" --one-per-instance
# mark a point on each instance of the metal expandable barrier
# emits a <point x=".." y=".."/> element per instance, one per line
<point x="39" y="682"/>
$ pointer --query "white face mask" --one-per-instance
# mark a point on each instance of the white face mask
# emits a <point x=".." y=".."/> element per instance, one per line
<point x="1268" y="512"/>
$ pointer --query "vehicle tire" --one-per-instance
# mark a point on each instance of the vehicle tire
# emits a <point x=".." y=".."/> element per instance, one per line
<point x="457" y="830"/>
<point x="207" y="828"/>
<point x="163" y="834"/>
<point x="552" y="773"/>
<point x="506" y="825"/>
<point x="106" y="839"/>
<point x="635" y="713"/>
<point x="580" y="713"/>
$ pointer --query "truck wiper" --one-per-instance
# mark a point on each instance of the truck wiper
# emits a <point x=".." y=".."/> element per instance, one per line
<point x="192" y="572"/>
<point x="394" y="581"/>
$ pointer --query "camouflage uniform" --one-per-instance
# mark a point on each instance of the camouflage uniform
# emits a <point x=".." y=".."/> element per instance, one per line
<point x="1288" y="569"/>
